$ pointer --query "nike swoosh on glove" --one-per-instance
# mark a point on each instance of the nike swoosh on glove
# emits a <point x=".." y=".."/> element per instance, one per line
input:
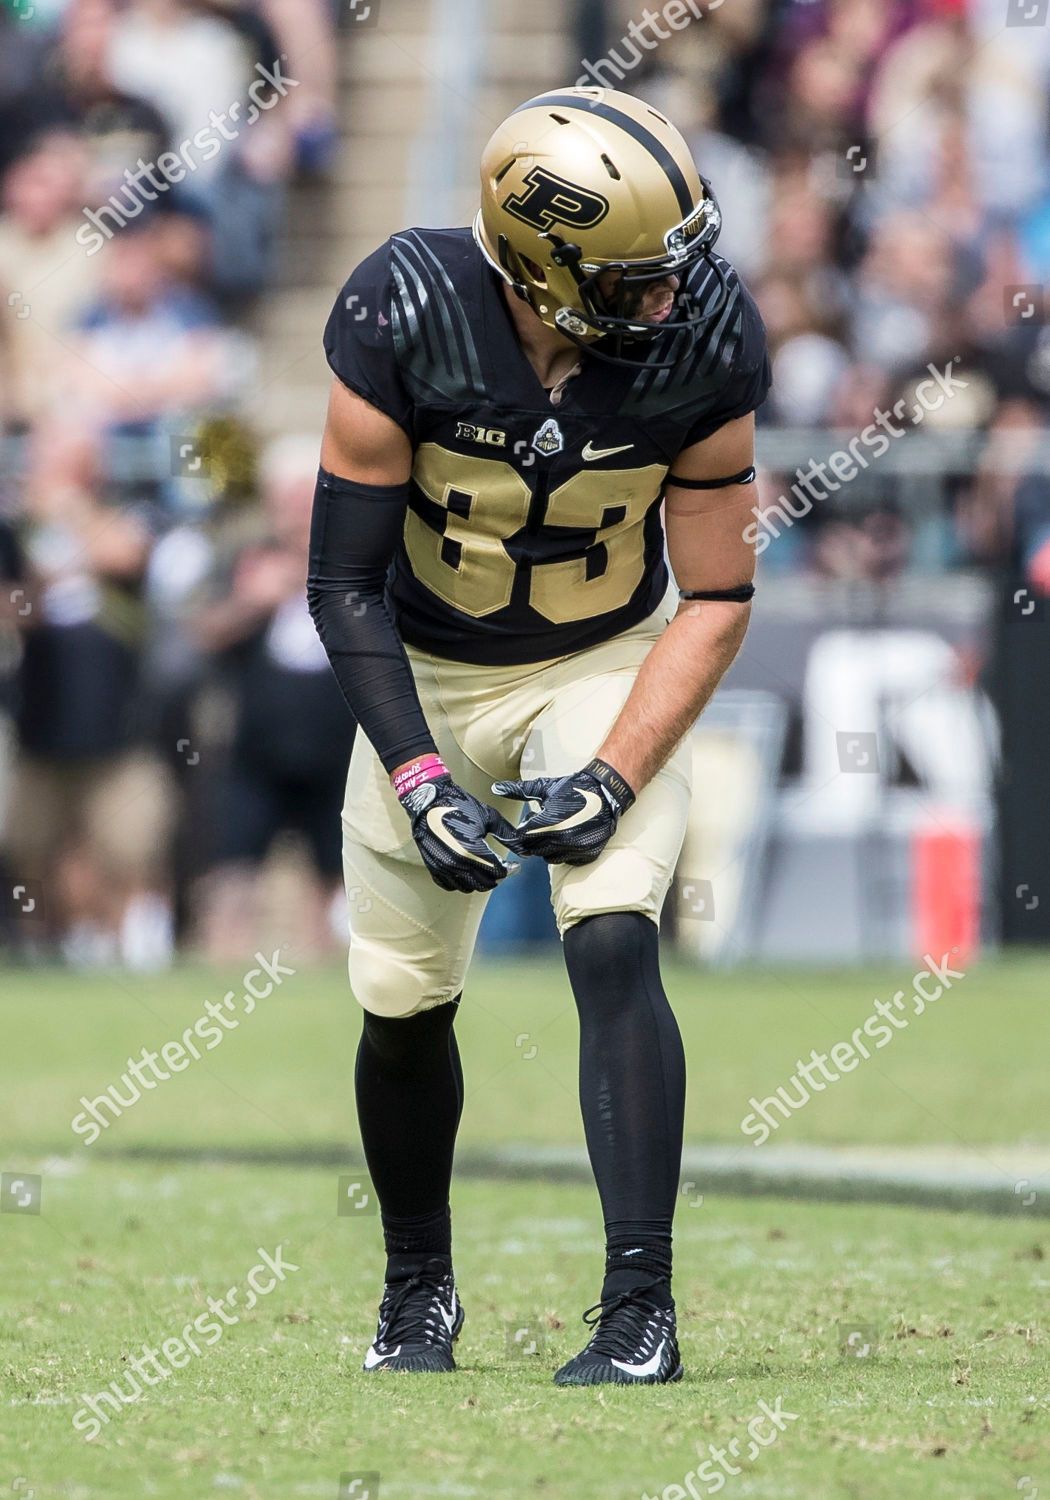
<point x="577" y="815"/>
<point x="449" y="827"/>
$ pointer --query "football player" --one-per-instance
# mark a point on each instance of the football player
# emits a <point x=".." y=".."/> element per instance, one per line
<point x="522" y="413"/>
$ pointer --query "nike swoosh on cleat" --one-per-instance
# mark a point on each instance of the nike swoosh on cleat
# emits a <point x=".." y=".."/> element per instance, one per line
<point x="591" y="452"/>
<point x="373" y="1358"/>
<point x="448" y="1318"/>
<point x="649" y="1368"/>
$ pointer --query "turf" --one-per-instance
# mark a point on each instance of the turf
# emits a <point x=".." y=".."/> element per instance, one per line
<point x="970" y="1071"/>
<point x="944" y="1389"/>
<point x="951" y="1400"/>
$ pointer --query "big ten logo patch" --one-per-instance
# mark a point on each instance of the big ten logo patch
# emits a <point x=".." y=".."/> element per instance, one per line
<point x="488" y="437"/>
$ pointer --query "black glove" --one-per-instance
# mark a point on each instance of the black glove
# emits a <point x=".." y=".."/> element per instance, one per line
<point x="449" y="827"/>
<point x="577" y="817"/>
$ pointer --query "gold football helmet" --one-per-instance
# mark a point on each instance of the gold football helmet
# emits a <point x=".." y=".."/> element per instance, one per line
<point x="580" y="182"/>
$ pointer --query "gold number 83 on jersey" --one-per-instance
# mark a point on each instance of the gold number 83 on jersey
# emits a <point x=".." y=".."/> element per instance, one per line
<point x="487" y="501"/>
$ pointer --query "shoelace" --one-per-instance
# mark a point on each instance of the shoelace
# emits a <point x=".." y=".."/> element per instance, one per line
<point x="408" y="1313"/>
<point x="620" y="1323"/>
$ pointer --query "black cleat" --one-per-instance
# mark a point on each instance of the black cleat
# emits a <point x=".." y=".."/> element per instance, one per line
<point x="634" y="1342"/>
<point x="418" y="1321"/>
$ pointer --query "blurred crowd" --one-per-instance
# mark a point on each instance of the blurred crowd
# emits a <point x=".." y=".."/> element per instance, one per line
<point x="166" y="713"/>
<point x="166" y="710"/>
<point x="884" y="171"/>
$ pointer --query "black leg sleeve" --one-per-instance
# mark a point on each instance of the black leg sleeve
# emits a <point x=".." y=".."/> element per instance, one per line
<point x="409" y="1086"/>
<point x="632" y="1088"/>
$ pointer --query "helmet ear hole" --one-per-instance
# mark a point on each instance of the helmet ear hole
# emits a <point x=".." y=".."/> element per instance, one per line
<point x="537" y="272"/>
<point x="510" y="260"/>
<point x="519" y="267"/>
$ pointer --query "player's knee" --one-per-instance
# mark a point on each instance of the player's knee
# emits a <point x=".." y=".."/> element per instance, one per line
<point x="611" y="944"/>
<point x="614" y="967"/>
<point x="386" y="985"/>
<point x="407" y="1043"/>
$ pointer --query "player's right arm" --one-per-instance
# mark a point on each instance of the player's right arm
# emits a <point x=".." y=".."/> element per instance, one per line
<point x="358" y="520"/>
<point x="360" y="442"/>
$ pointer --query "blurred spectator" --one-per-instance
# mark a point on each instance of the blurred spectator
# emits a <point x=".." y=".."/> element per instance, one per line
<point x="808" y="371"/>
<point x="187" y="60"/>
<point x="148" y="347"/>
<point x="13" y="607"/>
<point x="20" y="50"/>
<point x="119" y="363"/>
<point x="72" y="88"/>
<point x="1033" y="531"/>
<point x="1003" y="516"/>
<point x="903" y="288"/>
<point x="199" y="64"/>
<point x="90" y="812"/>
<point x="291" y="735"/>
<point x="43" y="280"/>
<point x="306" y="34"/>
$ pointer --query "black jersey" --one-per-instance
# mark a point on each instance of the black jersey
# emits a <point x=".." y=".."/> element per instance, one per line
<point x="534" y="529"/>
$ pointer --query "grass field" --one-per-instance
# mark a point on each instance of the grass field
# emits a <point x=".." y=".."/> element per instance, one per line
<point x="943" y="1389"/>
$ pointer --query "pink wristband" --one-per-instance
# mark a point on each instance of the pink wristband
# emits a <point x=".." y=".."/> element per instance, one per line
<point x="423" y="768"/>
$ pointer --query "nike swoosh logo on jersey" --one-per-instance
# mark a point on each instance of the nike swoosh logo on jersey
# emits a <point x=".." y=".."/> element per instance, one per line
<point x="372" y="1358"/>
<point x="592" y="804"/>
<point x="436" y="823"/>
<point x="590" y="452"/>
<point x="649" y="1368"/>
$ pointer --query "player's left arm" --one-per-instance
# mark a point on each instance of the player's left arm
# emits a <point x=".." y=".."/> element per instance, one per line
<point x="706" y="527"/>
<point x="708" y="552"/>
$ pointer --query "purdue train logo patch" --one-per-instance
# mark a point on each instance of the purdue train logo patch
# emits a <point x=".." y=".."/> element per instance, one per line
<point x="548" y="439"/>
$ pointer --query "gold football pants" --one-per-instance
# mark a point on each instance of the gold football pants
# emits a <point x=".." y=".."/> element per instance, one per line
<point x="411" y="942"/>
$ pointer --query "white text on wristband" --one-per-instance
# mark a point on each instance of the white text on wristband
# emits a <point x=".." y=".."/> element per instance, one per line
<point x="424" y="768"/>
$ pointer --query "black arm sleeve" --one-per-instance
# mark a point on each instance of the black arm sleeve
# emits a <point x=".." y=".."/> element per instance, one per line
<point x="354" y="534"/>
